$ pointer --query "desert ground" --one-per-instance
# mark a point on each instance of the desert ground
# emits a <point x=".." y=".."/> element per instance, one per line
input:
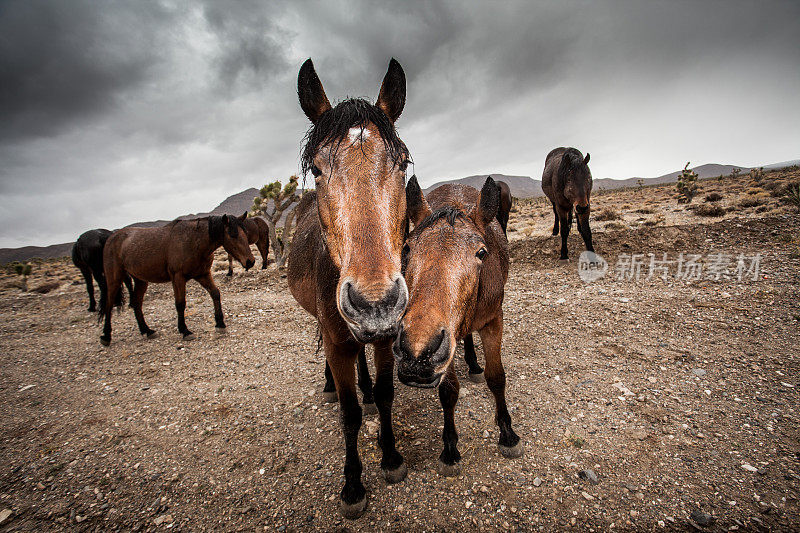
<point x="644" y="404"/>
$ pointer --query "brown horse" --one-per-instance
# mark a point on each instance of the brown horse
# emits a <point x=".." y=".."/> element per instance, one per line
<point x="258" y="234"/>
<point x="567" y="182"/>
<point x="87" y="255"/>
<point x="455" y="262"/>
<point x="344" y="263"/>
<point x="470" y="357"/>
<point x="180" y="251"/>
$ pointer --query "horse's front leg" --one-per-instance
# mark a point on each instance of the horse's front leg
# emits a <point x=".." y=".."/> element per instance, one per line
<point x="179" y="290"/>
<point x="448" y="395"/>
<point x="392" y="464"/>
<point x="491" y="338"/>
<point x="342" y="361"/>
<point x="208" y="284"/>
<point x="365" y="383"/>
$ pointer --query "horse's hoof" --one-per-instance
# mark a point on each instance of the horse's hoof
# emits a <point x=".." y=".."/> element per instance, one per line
<point x="105" y="341"/>
<point x="330" y="396"/>
<point x="512" y="452"/>
<point x="151" y="334"/>
<point x="351" y="511"/>
<point x="221" y="330"/>
<point x="396" y="475"/>
<point x="476" y="378"/>
<point x="369" y="409"/>
<point x="563" y="261"/>
<point x="189" y="336"/>
<point x="92" y="309"/>
<point x="446" y="470"/>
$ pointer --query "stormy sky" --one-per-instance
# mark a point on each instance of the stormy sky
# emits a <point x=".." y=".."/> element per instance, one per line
<point x="117" y="111"/>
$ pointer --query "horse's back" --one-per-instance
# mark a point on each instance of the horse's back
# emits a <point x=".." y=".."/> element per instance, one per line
<point x="88" y="249"/>
<point x="141" y="252"/>
<point x="302" y="260"/>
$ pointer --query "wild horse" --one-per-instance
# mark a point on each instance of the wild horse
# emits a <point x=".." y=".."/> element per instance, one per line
<point x="567" y="182"/>
<point x="180" y="251"/>
<point x="455" y="263"/>
<point x="344" y="263"/>
<point x="87" y="255"/>
<point x="258" y="234"/>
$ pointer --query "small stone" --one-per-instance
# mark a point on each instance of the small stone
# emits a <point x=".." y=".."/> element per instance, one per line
<point x="537" y="481"/>
<point x="699" y="372"/>
<point x="589" y="475"/>
<point x="586" y="495"/>
<point x="485" y="434"/>
<point x="634" y="513"/>
<point x="4" y="514"/>
<point x="749" y="467"/>
<point x="79" y="518"/>
<point x="468" y="504"/>
<point x="701" y="518"/>
<point x="163" y="519"/>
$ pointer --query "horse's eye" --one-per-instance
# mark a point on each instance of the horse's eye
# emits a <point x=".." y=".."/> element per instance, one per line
<point x="481" y="253"/>
<point x="403" y="166"/>
<point x="315" y="171"/>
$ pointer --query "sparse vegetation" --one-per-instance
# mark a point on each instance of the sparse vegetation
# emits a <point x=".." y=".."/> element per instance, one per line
<point x="709" y="210"/>
<point x="792" y="195"/>
<point x="750" y="202"/>
<point x="735" y="172"/>
<point x="686" y="185"/>
<point x="646" y="210"/>
<point x="23" y="270"/>
<point x="607" y="213"/>
<point x="713" y="197"/>
<point x="271" y="203"/>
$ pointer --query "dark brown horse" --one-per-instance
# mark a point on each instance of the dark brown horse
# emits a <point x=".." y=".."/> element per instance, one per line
<point x="180" y="251"/>
<point x="470" y="357"/>
<point x="87" y="255"/>
<point x="258" y="234"/>
<point x="344" y="263"/>
<point x="567" y="182"/>
<point x="455" y="262"/>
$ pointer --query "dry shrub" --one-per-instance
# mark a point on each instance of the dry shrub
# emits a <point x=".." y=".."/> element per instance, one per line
<point x="750" y="202"/>
<point x="607" y="213"/>
<point x="646" y="210"/>
<point x="713" y="197"/>
<point x="46" y="287"/>
<point x="615" y="226"/>
<point x="655" y="221"/>
<point x="754" y="190"/>
<point x="709" y="210"/>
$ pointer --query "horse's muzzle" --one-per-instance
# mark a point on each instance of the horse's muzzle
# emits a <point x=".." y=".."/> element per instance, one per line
<point x="249" y="264"/>
<point x="424" y="370"/>
<point x="371" y="321"/>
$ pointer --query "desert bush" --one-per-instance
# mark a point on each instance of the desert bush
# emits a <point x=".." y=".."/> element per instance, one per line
<point x="607" y="213"/>
<point x="23" y="270"/>
<point x="713" y="197"/>
<point x="757" y="173"/>
<point x="709" y="210"/>
<point x="646" y="210"/>
<point x="686" y="185"/>
<point x="655" y="221"/>
<point x="750" y="202"/>
<point x="615" y="226"/>
<point x="792" y="195"/>
<point x="46" y="287"/>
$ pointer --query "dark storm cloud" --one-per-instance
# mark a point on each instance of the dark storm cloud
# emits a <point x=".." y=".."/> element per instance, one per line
<point x="120" y="111"/>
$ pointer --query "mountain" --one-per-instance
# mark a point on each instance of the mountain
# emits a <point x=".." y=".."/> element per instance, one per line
<point x="521" y="186"/>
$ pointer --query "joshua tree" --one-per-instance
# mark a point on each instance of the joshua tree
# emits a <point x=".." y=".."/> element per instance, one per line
<point x="273" y="200"/>
<point x="756" y="174"/>
<point x="735" y="172"/>
<point x="640" y="185"/>
<point x="687" y="185"/>
<point x="24" y="270"/>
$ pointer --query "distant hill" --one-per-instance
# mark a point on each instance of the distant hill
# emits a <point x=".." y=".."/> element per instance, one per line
<point x="521" y="186"/>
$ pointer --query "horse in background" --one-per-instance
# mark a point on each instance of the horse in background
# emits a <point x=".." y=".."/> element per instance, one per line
<point x="87" y="255"/>
<point x="567" y="182"/>
<point x="180" y="251"/>
<point x="258" y="234"/>
<point x="455" y="263"/>
<point x="344" y="262"/>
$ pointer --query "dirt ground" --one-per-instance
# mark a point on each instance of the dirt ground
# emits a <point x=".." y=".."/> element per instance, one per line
<point x="680" y="396"/>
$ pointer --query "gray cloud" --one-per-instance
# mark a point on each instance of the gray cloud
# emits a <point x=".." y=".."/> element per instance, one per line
<point x="124" y="111"/>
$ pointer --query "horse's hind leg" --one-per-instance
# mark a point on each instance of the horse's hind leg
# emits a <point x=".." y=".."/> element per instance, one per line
<point x="136" y="302"/>
<point x="555" y="224"/>
<point x="208" y="284"/>
<point x="491" y="337"/>
<point x="179" y="289"/>
<point x="113" y="281"/>
<point x="87" y="277"/>
<point x="365" y="383"/>
<point x="329" y="391"/>
<point x="471" y="358"/>
<point x="585" y="231"/>
<point x="392" y="464"/>
<point x="127" y="281"/>
<point x="230" y="265"/>
<point x="263" y="250"/>
<point x="448" y="396"/>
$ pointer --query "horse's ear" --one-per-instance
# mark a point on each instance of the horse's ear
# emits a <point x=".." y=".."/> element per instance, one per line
<point x="310" y="92"/>
<point x="489" y="201"/>
<point x="216" y="228"/>
<point x="243" y="217"/>
<point x="416" y="205"/>
<point x="586" y="159"/>
<point x="392" y="97"/>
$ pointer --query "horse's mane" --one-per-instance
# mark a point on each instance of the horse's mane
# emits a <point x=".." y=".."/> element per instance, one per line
<point x="572" y="159"/>
<point x="448" y="212"/>
<point x="333" y="127"/>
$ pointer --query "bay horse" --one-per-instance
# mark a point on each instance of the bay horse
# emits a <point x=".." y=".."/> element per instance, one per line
<point x="344" y="262"/>
<point x="87" y="255"/>
<point x="567" y="182"/>
<point x="258" y="234"/>
<point x="475" y="373"/>
<point x="180" y="251"/>
<point x="455" y="262"/>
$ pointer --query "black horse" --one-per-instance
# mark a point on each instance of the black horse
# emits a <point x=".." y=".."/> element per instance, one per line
<point x="87" y="255"/>
<point x="567" y="182"/>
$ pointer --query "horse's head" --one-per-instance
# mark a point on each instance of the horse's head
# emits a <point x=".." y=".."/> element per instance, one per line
<point x="442" y="262"/>
<point x="577" y="178"/>
<point x="359" y="164"/>
<point x="231" y="233"/>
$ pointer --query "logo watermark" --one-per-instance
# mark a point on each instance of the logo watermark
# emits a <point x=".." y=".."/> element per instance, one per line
<point x="685" y="267"/>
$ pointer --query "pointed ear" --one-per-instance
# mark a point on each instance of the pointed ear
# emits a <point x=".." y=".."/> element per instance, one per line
<point x="416" y="205"/>
<point x="310" y="92"/>
<point x="489" y="201"/>
<point x="243" y="217"/>
<point x="392" y="97"/>
<point x="586" y="159"/>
